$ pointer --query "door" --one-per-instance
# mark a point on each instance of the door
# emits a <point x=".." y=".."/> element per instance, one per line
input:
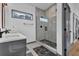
<point x="66" y="15"/>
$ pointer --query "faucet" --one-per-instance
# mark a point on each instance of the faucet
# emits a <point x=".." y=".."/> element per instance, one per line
<point x="5" y="31"/>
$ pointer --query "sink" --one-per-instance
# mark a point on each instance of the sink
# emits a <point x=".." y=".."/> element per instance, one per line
<point x="11" y="35"/>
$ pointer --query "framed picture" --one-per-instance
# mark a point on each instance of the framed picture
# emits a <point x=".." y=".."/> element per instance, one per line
<point x="21" y="15"/>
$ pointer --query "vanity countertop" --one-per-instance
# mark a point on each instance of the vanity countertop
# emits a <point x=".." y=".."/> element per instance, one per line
<point x="12" y="37"/>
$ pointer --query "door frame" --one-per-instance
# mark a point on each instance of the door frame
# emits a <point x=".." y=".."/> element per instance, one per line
<point x="63" y="27"/>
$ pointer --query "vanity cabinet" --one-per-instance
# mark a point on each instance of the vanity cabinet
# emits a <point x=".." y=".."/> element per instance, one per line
<point x="13" y="48"/>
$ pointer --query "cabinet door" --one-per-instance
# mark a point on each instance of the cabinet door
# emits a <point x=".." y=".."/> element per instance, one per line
<point x="17" y="48"/>
<point x="14" y="48"/>
<point x="4" y="49"/>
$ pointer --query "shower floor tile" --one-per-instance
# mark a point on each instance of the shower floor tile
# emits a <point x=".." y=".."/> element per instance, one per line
<point x="52" y="44"/>
<point x="42" y="51"/>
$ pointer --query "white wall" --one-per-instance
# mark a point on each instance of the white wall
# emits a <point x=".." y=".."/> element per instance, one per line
<point x="59" y="28"/>
<point x="29" y="28"/>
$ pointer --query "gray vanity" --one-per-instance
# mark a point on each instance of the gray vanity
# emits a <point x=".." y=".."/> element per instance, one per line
<point x="13" y="46"/>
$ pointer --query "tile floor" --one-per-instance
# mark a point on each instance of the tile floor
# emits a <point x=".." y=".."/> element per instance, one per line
<point x="31" y="46"/>
<point x="42" y="51"/>
<point x="52" y="44"/>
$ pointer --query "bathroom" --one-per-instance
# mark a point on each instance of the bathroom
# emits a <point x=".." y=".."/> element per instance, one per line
<point x="40" y="25"/>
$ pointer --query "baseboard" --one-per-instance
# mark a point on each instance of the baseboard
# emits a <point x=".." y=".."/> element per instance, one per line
<point x="31" y="42"/>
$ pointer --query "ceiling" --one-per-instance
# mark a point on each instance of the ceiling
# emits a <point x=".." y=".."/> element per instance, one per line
<point x="42" y="6"/>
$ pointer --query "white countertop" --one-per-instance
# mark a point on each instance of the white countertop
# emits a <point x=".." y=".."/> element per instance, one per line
<point x="11" y="37"/>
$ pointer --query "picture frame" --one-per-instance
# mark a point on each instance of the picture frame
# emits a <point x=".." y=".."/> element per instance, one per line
<point x="21" y="15"/>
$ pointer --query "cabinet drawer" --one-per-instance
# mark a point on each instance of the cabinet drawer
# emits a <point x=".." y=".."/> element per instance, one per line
<point x="13" y="48"/>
